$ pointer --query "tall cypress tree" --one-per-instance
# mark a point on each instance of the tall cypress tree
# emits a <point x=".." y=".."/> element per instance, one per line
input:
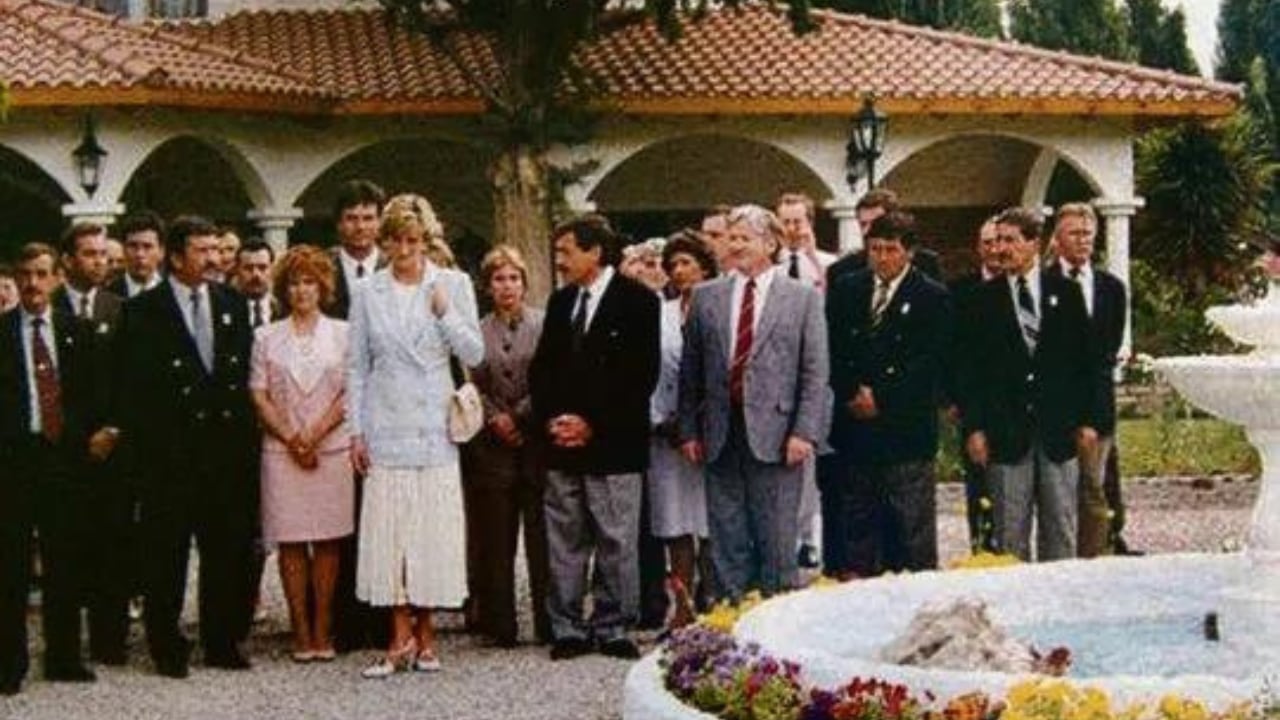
<point x="1237" y="39"/>
<point x="1088" y="27"/>
<point x="1158" y="36"/>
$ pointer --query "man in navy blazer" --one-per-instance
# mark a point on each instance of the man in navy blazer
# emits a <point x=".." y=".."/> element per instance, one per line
<point x="1105" y="301"/>
<point x="754" y="405"/>
<point x="590" y="379"/>
<point x="51" y="433"/>
<point x="1033" y="400"/>
<point x="889" y="328"/>
<point x="187" y="418"/>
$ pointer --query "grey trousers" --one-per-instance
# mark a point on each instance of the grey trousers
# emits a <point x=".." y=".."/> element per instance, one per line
<point x="808" y="516"/>
<point x="752" y="509"/>
<point x="1049" y="490"/>
<point x="593" y="515"/>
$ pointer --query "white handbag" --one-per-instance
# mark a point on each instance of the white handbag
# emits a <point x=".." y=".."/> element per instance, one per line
<point x="466" y="411"/>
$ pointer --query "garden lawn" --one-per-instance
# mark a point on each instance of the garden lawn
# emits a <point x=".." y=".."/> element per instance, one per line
<point x="1162" y="446"/>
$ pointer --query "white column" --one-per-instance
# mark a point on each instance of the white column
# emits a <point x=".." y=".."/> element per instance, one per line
<point x="94" y="211"/>
<point x="1116" y="215"/>
<point x="274" y="224"/>
<point x="850" y="234"/>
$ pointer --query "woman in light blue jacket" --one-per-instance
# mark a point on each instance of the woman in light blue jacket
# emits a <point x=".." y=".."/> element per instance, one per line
<point x="405" y="323"/>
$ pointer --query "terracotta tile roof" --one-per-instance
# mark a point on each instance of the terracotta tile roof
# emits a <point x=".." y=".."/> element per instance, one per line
<point x="745" y="60"/>
<point x="53" y="49"/>
<point x="732" y="61"/>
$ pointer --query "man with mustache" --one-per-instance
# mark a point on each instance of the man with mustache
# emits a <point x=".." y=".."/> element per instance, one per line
<point x="185" y="411"/>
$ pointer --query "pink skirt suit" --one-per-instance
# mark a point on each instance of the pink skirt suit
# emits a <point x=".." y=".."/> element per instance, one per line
<point x="304" y="376"/>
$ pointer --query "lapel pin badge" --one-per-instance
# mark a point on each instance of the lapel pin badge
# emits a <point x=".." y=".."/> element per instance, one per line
<point x="103" y="328"/>
<point x="177" y="363"/>
<point x="226" y="318"/>
<point x="1053" y="301"/>
<point x="906" y="308"/>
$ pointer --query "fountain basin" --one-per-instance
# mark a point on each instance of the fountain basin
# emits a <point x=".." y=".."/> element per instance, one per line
<point x="1111" y="607"/>
<point x="1251" y="324"/>
<point x="1243" y="389"/>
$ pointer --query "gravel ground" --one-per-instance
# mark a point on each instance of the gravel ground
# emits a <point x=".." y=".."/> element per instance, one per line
<point x="1165" y="516"/>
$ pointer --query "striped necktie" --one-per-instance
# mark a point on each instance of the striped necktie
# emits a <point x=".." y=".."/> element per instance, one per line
<point x="1028" y="319"/>
<point x="742" y="344"/>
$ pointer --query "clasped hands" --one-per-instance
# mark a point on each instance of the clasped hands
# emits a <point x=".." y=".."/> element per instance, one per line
<point x="302" y="448"/>
<point x="508" y="431"/>
<point x="569" y="431"/>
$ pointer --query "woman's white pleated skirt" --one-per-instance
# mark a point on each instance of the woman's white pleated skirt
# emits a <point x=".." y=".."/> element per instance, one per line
<point x="412" y="538"/>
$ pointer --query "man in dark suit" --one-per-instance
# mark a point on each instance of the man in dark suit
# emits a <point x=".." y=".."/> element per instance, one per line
<point x="86" y="266"/>
<point x="754" y="405"/>
<point x="254" y="262"/>
<point x="51" y="432"/>
<point x="888" y="329"/>
<point x="874" y="204"/>
<point x="1033" y="401"/>
<point x="185" y="410"/>
<point x="143" y="234"/>
<point x="958" y="371"/>
<point x="590" y="379"/>
<point x="111" y="556"/>
<point x="1105" y="301"/>
<point x="357" y="212"/>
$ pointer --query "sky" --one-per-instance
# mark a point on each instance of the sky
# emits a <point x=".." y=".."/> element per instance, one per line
<point x="1202" y="18"/>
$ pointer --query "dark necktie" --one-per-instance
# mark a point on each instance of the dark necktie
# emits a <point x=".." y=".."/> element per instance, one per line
<point x="742" y="343"/>
<point x="1074" y="273"/>
<point x="256" y="306"/>
<point x="1027" y="317"/>
<point x="359" y="270"/>
<point x="793" y="271"/>
<point x="201" y="332"/>
<point x="84" y="306"/>
<point x="48" y="392"/>
<point x="879" y="302"/>
<point x="580" y="318"/>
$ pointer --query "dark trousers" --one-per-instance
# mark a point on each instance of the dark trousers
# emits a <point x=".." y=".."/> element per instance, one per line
<point x="222" y="525"/>
<point x="890" y="512"/>
<point x="653" y="568"/>
<point x="113" y="557"/>
<point x="16" y="519"/>
<point x="981" y="520"/>
<point x="834" y="551"/>
<point x="48" y="494"/>
<point x="502" y="492"/>
<point x="356" y="624"/>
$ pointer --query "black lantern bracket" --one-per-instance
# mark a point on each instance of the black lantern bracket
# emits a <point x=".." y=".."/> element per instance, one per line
<point x="866" y="143"/>
<point x="89" y="156"/>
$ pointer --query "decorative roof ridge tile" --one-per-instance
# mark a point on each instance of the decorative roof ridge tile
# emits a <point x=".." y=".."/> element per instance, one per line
<point x="160" y="30"/>
<point x="1034" y="51"/>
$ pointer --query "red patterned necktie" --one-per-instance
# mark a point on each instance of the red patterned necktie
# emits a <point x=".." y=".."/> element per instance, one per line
<point x="742" y="344"/>
<point x="48" y="392"/>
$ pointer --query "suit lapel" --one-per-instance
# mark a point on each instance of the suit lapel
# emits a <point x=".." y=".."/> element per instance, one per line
<point x="780" y="294"/>
<point x="1013" y="329"/>
<point x="901" y="299"/>
<point x="18" y="363"/>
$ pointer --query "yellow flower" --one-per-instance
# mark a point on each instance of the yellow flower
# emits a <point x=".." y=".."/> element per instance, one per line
<point x="982" y="560"/>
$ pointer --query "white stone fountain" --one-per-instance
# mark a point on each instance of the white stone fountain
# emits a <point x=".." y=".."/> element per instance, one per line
<point x="1245" y="389"/>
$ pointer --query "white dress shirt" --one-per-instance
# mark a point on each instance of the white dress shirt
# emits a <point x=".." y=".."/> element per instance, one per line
<point x="28" y="353"/>
<point x="264" y="307"/>
<point x="1085" y="279"/>
<point x="597" y="289"/>
<point x="133" y="287"/>
<point x="812" y="264"/>
<point x="77" y="298"/>
<point x="1033" y="286"/>
<point x="349" y="265"/>
<point x="763" y="282"/>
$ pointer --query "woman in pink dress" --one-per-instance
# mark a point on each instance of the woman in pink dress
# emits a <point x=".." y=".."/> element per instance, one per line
<point x="298" y="382"/>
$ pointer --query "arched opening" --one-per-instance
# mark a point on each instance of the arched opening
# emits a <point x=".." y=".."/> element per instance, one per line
<point x="189" y="176"/>
<point x="952" y="186"/>
<point x="32" y="201"/>
<point x="451" y="175"/>
<point x="670" y="184"/>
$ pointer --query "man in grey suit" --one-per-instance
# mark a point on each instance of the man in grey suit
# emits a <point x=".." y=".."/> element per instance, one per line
<point x="753" y="396"/>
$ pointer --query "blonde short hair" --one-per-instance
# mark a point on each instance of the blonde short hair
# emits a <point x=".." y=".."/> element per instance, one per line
<point x="1077" y="209"/>
<point x="499" y="257"/>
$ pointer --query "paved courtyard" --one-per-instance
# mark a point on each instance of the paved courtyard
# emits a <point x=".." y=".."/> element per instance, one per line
<point x="1166" y="516"/>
